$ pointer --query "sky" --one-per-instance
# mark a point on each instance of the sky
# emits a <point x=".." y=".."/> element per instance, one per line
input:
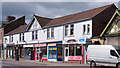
<point x="47" y="9"/>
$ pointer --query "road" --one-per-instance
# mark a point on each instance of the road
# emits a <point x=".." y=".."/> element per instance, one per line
<point x="34" y="64"/>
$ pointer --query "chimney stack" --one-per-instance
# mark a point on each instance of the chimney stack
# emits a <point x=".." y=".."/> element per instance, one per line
<point x="10" y="18"/>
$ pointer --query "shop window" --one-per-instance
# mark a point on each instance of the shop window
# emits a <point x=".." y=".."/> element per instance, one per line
<point x="52" y="52"/>
<point x="59" y="51"/>
<point x="71" y="50"/>
<point x="44" y="51"/>
<point x="78" y="51"/>
<point x="52" y="32"/>
<point x="66" y="30"/>
<point x="72" y="29"/>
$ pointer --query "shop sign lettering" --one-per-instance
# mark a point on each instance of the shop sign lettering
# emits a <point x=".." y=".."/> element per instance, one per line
<point x="75" y="58"/>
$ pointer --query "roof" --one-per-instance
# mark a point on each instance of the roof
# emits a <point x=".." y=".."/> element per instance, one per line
<point x="19" y="29"/>
<point x="42" y="20"/>
<point x="78" y="16"/>
<point x="14" y="24"/>
<point x="109" y="24"/>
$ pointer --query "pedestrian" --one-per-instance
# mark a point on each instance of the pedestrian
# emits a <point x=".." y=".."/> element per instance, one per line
<point x="40" y="57"/>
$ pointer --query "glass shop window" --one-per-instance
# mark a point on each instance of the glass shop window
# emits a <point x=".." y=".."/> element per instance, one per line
<point x="44" y="51"/>
<point x="78" y="50"/>
<point x="71" y="50"/>
<point x="52" y="52"/>
<point x="59" y="51"/>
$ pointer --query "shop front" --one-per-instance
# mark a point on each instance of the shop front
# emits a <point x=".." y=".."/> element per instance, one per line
<point x="10" y="52"/>
<point x="19" y="52"/>
<point x="28" y="52"/>
<point x="40" y="49"/>
<point x="55" y="51"/>
<point x="75" y="51"/>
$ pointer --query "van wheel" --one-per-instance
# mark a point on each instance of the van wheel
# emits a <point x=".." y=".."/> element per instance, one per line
<point x="118" y="65"/>
<point x="92" y="64"/>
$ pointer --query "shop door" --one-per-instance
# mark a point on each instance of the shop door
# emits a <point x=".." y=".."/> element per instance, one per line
<point x="66" y="54"/>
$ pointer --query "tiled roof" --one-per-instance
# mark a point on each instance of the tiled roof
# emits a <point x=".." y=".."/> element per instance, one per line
<point x="42" y="20"/>
<point x="14" y="24"/>
<point x="78" y="16"/>
<point x="21" y="28"/>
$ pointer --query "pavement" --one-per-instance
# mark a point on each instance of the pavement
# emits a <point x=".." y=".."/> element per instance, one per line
<point x="35" y="64"/>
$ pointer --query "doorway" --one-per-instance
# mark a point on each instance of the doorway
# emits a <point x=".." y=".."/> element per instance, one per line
<point x="66" y="54"/>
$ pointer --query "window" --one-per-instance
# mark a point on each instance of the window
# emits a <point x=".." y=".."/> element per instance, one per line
<point x="113" y="53"/>
<point x="78" y="51"/>
<point x="11" y="38"/>
<point x="21" y="37"/>
<point x="71" y="50"/>
<point x="32" y="35"/>
<point x="44" y="51"/>
<point x="36" y="34"/>
<point x="72" y="29"/>
<point x="84" y="29"/>
<point x="52" y="32"/>
<point x="66" y="30"/>
<point x="48" y="33"/>
<point x="52" y="52"/>
<point x="88" y="29"/>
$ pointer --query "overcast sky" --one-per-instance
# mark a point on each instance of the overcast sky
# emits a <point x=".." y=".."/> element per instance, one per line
<point x="47" y="9"/>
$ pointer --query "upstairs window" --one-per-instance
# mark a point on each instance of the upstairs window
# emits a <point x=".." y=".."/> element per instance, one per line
<point x="52" y="32"/>
<point x="72" y="29"/>
<point x="48" y="33"/>
<point x="21" y="37"/>
<point x="84" y="29"/>
<point x="36" y="34"/>
<point x="11" y="38"/>
<point x="66" y="30"/>
<point x="88" y="29"/>
<point x="32" y="35"/>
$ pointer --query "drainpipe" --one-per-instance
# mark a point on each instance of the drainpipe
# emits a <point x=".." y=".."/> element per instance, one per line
<point x="63" y="58"/>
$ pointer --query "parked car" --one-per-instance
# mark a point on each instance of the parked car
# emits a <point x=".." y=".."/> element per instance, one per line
<point x="107" y="55"/>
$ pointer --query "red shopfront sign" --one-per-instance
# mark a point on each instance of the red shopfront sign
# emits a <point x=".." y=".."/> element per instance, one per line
<point x="75" y="58"/>
<point x="39" y="45"/>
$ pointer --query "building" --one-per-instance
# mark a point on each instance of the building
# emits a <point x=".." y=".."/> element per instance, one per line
<point x="62" y="39"/>
<point x="111" y="33"/>
<point x="11" y="24"/>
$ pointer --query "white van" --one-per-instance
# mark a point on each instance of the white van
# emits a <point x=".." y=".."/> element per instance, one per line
<point x="107" y="55"/>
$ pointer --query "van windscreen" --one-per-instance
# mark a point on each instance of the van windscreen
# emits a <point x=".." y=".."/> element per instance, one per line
<point x="118" y="51"/>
